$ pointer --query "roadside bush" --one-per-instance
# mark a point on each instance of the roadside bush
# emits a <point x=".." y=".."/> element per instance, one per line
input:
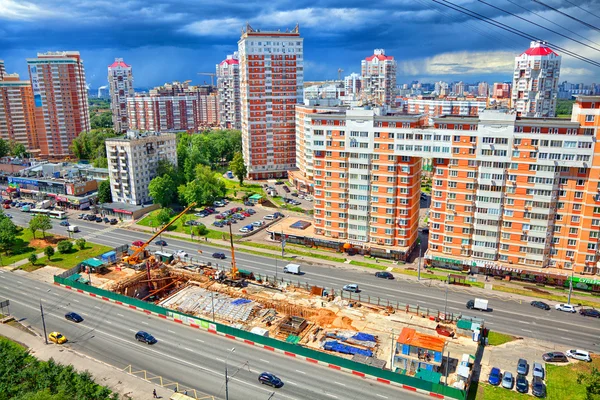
<point x="65" y="246"/>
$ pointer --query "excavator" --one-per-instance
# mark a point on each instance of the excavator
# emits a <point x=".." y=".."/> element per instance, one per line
<point x="134" y="258"/>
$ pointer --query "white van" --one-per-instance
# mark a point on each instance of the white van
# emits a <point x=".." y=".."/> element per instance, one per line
<point x="292" y="269"/>
<point x="72" y="228"/>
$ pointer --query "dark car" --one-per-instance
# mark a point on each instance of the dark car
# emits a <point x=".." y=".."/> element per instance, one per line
<point x="251" y="211"/>
<point x="538" y="389"/>
<point x="589" y="312"/>
<point x="145" y="337"/>
<point x="98" y="219"/>
<point x="384" y="275"/>
<point x="295" y="194"/>
<point x="219" y="255"/>
<point x="522" y="367"/>
<point x="522" y="384"/>
<point x="106" y="220"/>
<point x="267" y="378"/>
<point x="161" y="243"/>
<point x="278" y="215"/>
<point x="73" y="317"/>
<point x="248" y="203"/>
<point x="495" y="376"/>
<point x="555" y="356"/>
<point x="64" y="223"/>
<point x="113" y="221"/>
<point x="540" y="305"/>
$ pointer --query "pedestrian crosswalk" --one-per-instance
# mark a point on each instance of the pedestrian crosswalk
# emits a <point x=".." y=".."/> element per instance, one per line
<point x="101" y="232"/>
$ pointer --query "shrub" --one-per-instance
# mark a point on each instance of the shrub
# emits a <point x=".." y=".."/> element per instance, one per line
<point x="65" y="246"/>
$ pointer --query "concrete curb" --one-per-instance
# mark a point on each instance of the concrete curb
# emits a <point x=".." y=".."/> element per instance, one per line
<point x="269" y="348"/>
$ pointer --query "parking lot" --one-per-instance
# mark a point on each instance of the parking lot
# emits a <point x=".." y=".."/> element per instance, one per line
<point x="289" y="195"/>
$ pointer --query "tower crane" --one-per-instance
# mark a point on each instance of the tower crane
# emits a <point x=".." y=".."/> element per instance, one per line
<point x="212" y="77"/>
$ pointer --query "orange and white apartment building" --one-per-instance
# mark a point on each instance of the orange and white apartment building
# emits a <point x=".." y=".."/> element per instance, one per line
<point x="506" y="190"/>
<point x="17" y="117"/>
<point x="271" y="85"/>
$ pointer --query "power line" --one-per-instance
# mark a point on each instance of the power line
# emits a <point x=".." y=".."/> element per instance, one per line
<point x="581" y="8"/>
<point x="552" y="22"/>
<point x="517" y="32"/>
<point x="567" y="15"/>
<point x="541" y="26"/>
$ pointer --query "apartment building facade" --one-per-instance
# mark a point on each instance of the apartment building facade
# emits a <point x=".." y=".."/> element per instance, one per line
<point x="120" y="81"/>
<point x="228" y="84"/>
<point x="17" y="116"/>
<point x="132" y="164"/>
<point x="2" y="69"/>
<point x="449" y="106"/>
<point x="535" y="81"/>
<point x="60" y="100"/>
<point x="378" y="73"/>
<point x="271" y="85"/>
<point x="507" y="191"/>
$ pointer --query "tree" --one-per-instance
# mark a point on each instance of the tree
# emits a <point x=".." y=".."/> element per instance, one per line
<point x="49" y="252"/>
<point x="8" y="233"/>
<point x="164" y="216"/>
<point x="166" y="167"/>
<point x="65" y="246"/>
<point x="204" y="189"/>
<point x="104" y="194"/>
<point x="90" y="145"/>
<point x="201" y="230"/>
<point x="40" y="223"/>
<point x="101" y="120"/>
<point x="17" y="149"/>
<point x="163" y="190"/>
<point x="80" y="243"/>
<point x="32" y="258"/>
<point x="238" y="167"/>
<point x="4" y="148"/>
<point x="592" y="384"/>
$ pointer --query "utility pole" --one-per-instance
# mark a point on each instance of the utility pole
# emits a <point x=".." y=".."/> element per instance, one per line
<point x="447" y="365"/>
<point x="212" y="300"/>
<point x="446" y="304"/>
<point x="419" y="268"/>
<point x="570" y="287"/>
<point x="43" y="322"/>
<point x="226" y="377"/>
<point x="392" y="351"/>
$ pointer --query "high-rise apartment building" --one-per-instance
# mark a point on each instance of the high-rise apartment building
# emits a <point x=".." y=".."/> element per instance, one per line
<point x="483" y="89"/>
<point x="535" y="81"/>
<point x="228" y="84"/>
<point x="60" y="100"/>
<point x="120" y="80"/>
<point x="17" y="117"/>
<point x="132" y="164"/>
<point x="2" y="69"/>
<point x="353" y="84"/>
<point x="448" y="106"/>
<point x="378" y="78"/>
<point x="501" y="90"/>
<point x="271" y="85"/>
<point x="176" y="106"/>
<point x="507" y="191"/>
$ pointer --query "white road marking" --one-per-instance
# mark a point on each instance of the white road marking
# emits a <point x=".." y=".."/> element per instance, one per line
<point x="56" y="294"/>
<point x="268" y="362"/>
<point x="108" y="322"/>
<point x="86" y="314"/>
<point x="120" y="315"/>
<point x="292" y="383"/>
<point x="97" y="307"/>
<point x="169" y="330"/>
<point x="526" y="330"/>
<point x="145" y="323"/>
<point x="382" y="396"/>
<point x="332" y="395"/>
<point x="219" y="359"/>
<point x="37" y="288"/>
<point x="302" y="372"/>
<point x="561" y="329"/>
<point x="188" y="349"/>
<point x="339" y="383"/>
<point x="76" y="301"/>
<point x="19" y="282"/>
<point x="201" y="341"/>
<point x="5" y="287"/>
<point x="131" y="330"/>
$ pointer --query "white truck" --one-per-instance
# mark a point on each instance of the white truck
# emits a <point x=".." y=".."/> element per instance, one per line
<point x="73" y="228"/>
<point x="477" y="304"/>
<point x="44" y="204"/>
<point x="292" y="269"/>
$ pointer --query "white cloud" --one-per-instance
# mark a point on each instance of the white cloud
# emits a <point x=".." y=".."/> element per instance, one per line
<point x="215" y="27"/>
<point x="323" y="18"/>
<point x="23" y="11"/>
<point x="460" y="63"/>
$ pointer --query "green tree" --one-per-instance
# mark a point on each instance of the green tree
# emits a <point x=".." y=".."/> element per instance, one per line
<point x="65" y="246"/>
<point x="32" y="258"/>
<point x="166" y="167"/>
<point x="100" y="162"/>
<point x="49" y="252"/>
<point x="80" y="243"/>
<point x="101" y="120"/>
<point x="164" y="216"/>
<point x="163" y="190"/>
<point x="201" y="230"/>
<point x="17" y="149"/>
<point x="592" y="384"/>
<point x="104" y="194"/>
<point x="8" y="233"/>
<point x="90" y="145"/>
<point x="204" y="189"/>
<point x="238" y="167"/>
<point x="564" y="107"/>
<point x="4" y="148"/>
<point x="40" y="223"/>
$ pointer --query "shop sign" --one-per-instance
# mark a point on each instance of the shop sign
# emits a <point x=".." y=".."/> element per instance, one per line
<point x="447" y="260"/>
<point x="123" y="211"/>
<point x="23" y="181"/>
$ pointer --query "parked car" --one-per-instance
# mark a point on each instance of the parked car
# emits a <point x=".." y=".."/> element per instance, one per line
<point x="507" y="380"/>
<point x="522" y="367"/>
<point x="352" y="287"/>
<point x="267" y="378"/>
<point x="278" y="215"/>
<point x="145" y="337"/>
<point x="522" y="384"/>
<point x="6" y="206"/>
<point x="565" y="307"/>
<point x="138" y="243"/>
<point x="269" y="217"/>
<point x="244" y="230"/>
<point x="106" y="220"/>
<point x="538" y="370"/>
<point x="538" y="389"/>
<point x="181" y="254"/>
<point x="295" y="194"/>
<point x="114" y="221"/>
<point x="57" y="337"/>
<point x="80" y="216"/>
<point x="582" y="355"/>
<point x="495" y="376"/>
<point x="73" y="317"/>
<point x="287" y="189"/>
<point x="98" y="219"/>
<point x="220" y="256"/>
<point x="160" y="243"/>
<point x="384" y="275"/>
<point x="64" y="223"/>
<point x="589" y="312"/>
<point x="540" y="305"/>
<point x="258" y="223"/>
<point x="555" y="356"/>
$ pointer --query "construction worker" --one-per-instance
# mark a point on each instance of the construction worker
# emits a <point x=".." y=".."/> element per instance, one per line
<point x="154" y="394"/>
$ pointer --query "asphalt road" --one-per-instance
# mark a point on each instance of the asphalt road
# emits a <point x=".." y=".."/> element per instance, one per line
<point x="507" y="316"/>
<point x="196" y="359"/>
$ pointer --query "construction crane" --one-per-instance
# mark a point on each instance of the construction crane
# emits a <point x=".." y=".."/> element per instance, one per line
<point x="340" y="74"/>
<point x="212" y="77"/>
<point x="234" y="270"/>
<point x="134" y="258"/>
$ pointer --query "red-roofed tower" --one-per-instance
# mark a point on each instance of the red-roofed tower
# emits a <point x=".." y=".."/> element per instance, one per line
<point x="228" y="84"/>
<point x="120" y="79"/>
<point x="535" y="82"/>
<point x="378" y="78"/>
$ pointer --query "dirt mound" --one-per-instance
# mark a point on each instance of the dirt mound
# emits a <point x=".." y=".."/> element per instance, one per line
<point x="343" y="323"/>
<point x="323" y="318"/>
<point x="49" y="241"/>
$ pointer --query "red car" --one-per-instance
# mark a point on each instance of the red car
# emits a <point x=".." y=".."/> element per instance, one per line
<point x="219" y="216"/>
<point x="7" y="206"/>
<point x="138" y="243"/>
<point x="245" y="214"/>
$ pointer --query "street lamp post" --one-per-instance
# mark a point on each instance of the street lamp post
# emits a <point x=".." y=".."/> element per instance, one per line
<point x="446" y="303"/>
<point x="43" y="322"/>
<point x="226" y="377"/>
<point x="570" y="287"/>
<point x="419" y="268"/>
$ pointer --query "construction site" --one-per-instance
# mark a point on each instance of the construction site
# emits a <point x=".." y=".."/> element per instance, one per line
<point x="380" y="335"/>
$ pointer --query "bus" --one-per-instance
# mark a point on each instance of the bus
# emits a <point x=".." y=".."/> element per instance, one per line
<point x="50" y="213"/>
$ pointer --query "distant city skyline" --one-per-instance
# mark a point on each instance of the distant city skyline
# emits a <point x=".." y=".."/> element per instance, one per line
<point x="173" y="40"/>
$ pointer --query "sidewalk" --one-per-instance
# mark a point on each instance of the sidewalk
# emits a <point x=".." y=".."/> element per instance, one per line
<point x="126" y="385"/>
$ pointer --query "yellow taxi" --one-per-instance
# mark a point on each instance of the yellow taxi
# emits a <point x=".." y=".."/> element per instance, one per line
<point x="57" y="338"/>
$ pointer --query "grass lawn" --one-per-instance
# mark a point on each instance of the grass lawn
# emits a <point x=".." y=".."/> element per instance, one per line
<point x="234" y="189"/>
<point x="552" y="297"/>
<point x="496" y="339"/>
<point x="425" y="275"/>
<point x="562" y="379"/>
<point x="368" y="265"/>
<point x="68" y="260"/>
<point x="288" y="250"/>
<point x="25" y="245"/>
<point x="489" y="392"/>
